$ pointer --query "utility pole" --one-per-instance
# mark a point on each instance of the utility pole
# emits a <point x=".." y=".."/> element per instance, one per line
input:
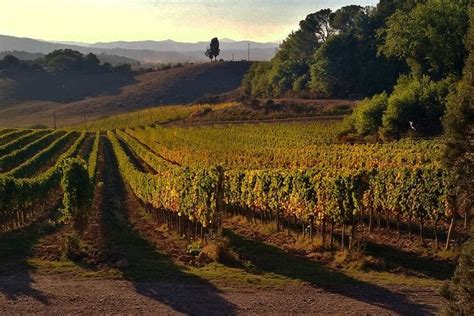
<point x="248" y="52"/>
<point x="85" y="121"/>
<point x="54" y="117"/>
<point x="151" y="117"/>
<point x="233" y="56"/>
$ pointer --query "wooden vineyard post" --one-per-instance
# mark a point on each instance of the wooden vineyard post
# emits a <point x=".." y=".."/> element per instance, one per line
<point x="219" y="199"/>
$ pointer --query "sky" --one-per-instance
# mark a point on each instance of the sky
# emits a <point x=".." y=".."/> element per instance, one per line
<point x="181" y="20"/>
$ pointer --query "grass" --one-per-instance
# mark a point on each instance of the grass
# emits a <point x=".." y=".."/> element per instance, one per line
<point x="378" y="264"/>
<point x="151" y="116"/>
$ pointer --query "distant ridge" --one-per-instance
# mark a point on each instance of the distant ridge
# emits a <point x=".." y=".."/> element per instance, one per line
<point x="147" y="51"/>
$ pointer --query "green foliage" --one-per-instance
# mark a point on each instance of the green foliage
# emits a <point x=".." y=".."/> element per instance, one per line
<point x="459" y="118"/>
<point x="77" y="188"/>
<point x="332" y="54"/>
<point x="458" y="123"/>
<point x="421" y="102"/>
<point x="289" y="69"/>
<point x="255" y="82"/>
<point x="460" y="292"/>
<point x="335" y="67"/>
<point x="30" y="166"/>
<point x="93" y="157"/>
<point x="348" y="19"/>
<point x="21" y="199"/>
<point x="20" y="142"/>
<point x="67" y="60"/>
<point x="9" y="62"/>
<point x="368" y="114"/>
<point x="185" y="191"/>
<point x="15" y="157"/>
<point x="318" y="23"/>
<point x="213" y="50"/>
<point x="430" y="38"/>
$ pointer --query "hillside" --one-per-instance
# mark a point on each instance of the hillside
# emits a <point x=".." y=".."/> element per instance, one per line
<point x="174" y="86"/>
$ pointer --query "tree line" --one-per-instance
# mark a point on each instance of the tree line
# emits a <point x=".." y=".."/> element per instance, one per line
<point x="406" y="55"/>
<point x="61" y="61"/>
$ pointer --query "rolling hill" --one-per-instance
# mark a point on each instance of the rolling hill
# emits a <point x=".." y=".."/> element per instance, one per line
<point x="175" y="86"/>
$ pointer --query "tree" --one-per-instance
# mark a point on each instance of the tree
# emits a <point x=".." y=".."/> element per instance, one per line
<point x="64" y="60"/>
<point x="209" y="54"/>
<point x="318" y="24"/>
<point x="91" y="62"/>
<point x="349" y="18"/>
<point x="416" y="105"/>
<point x="215" y="47"/>
<point x="213" y="51"/>
<point x="9" y="62"/>
<point x="335" y="67"/>
<point x="62" y="63"/>
<point x="430" y="38"/>
<point x="459" y="128"/>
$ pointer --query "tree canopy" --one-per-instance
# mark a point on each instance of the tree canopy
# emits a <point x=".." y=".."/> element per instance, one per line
<point x="357" y="51"/>
<point x="430" y="38"/>
<point x="213" y="51"/>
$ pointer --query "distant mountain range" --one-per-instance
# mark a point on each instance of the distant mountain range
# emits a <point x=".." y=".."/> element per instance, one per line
<point x="147" y="51"/>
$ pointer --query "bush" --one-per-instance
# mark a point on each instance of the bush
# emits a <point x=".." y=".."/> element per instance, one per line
<point x="419" y="101"/>
<point x="73" y="248"/>
<point x="368" y="114"/>
<point x="460" y="292"/>
<point x="194" y="249"/>
<point x="219" y="250"/>
<point x="78" y="192"/>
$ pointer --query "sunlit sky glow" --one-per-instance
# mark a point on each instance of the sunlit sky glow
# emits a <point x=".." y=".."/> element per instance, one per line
<point x="181" y="20"/>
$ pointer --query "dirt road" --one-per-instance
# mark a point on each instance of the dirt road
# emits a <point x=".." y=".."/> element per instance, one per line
<point x="25" y="293"/>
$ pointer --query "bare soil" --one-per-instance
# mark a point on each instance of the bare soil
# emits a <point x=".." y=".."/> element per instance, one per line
<point x="48" y="294"/>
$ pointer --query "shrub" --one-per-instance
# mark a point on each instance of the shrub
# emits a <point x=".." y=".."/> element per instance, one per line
<point x="368" y="114"/>
<point x="460" y="292"/>
<point x="419" y="101"/>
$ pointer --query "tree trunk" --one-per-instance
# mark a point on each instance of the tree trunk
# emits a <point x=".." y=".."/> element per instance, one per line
<point x="332" y="234"/>
<point x="409" y="228"/>
<point x="398" y="224"/>
<point x="278" y="220"/>
<point x="353" y="232"/>
<point x="342" y="236"/>
<point x="371" y="224"/>
<point x="422" y="224"/>
<point x="323" y="231"/>
<point x="450" y="232"/>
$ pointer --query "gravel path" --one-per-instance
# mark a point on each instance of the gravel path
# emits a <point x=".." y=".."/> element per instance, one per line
<point x="48" y="294"/>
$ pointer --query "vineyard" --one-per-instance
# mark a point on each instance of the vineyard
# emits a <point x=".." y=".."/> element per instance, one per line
<point x="42" y="168"/>
<point x="287" y="184"/>
<point x="293" y="175"/>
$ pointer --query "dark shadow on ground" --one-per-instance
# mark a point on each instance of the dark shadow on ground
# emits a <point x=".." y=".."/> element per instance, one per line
<point x="20" y="284"/>
<point x="60" y="87"/>
<point x="271" y="259"/>
<point x="16" y="247"/>
<point x="153" y="273"/>
<point x="397" y="258"/>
